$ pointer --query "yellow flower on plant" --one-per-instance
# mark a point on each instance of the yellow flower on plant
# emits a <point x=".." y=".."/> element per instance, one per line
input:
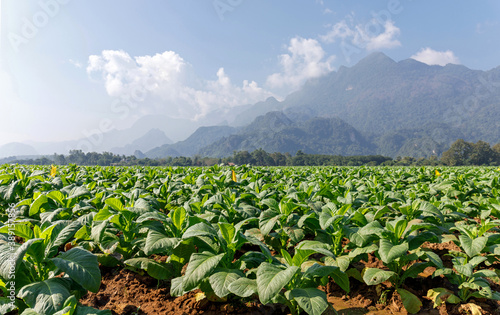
<point x="234" y="176"/>
<point x="53" y="170"/>
<point x="437" y="173"/>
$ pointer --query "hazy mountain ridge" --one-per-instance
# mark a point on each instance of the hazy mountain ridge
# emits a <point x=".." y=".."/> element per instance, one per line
<point x="275" y="132"/>
<point x="378" y="106"/>
<point x="202" y="137"/>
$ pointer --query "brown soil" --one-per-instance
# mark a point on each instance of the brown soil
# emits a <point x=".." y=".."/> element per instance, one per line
<point x="125" y="292"/>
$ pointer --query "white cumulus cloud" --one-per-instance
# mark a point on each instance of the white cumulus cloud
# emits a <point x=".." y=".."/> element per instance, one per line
<point x="170" y="84"/>
<point x="306" y="60"/>
<point x="371" y="36"/>
<point x="433" y="57"/>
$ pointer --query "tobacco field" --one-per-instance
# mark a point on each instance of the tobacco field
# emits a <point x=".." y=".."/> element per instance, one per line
<point x="249" y="240"/>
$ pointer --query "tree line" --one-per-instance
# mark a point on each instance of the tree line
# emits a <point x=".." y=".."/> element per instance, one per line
<point x="460" y="153"/>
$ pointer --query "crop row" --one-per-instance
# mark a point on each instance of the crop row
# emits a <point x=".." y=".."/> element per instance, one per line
<point x="245" y="232"/>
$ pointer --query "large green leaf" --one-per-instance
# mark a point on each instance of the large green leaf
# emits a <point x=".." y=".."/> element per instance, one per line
<point x="157" y="242"/>
<point x="200" y="265"/>
<point x="221" y="280"/>
<point x="98" y="229"/>
<point x="176" y="287"/>
<point x="60" y="235"/>
<point x="271" y="279"/>
<point x="11" y="255"/>
<point x="46" y="297"/>
<point x="243" y="287"/>
<point x="313" y="301"/>
<point x="178" y="217"/>
<point x="388" y="252"/>
<point x="373" y="276"/>
<point x="472" y="247"/>
<point x="57" y="196"/>
<point x="316" y="247"/>
<point x="82" y="266"/>
<point x="414" y="270"/>
<point x="267" y="220"/>
<point x="35" y="206"/>
<point x="20" y="229"/>
<point x="410" y="301"/>
<point x="200" y="229"/>
<point x="78" y="192"/>
<point x="227" y="231"/>
<point x="6" y="306"/>
<point x="337" y="275"/>
<point x="160" y="271"/>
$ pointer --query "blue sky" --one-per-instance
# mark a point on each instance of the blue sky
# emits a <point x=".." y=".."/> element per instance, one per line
<point x="67" y="64"/>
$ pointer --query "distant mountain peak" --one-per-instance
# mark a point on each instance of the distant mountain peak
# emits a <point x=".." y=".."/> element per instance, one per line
<point x="376" y="58"/>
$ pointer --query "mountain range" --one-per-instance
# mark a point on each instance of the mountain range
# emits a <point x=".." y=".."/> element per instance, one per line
<point x="378" y="106"/>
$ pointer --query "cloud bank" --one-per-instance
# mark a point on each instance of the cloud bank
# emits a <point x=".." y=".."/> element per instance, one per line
<point x="433" y="57"/>
<point x="371" y="36"/>
<point x="306" y="60"/>
<point x="168" y="83"/>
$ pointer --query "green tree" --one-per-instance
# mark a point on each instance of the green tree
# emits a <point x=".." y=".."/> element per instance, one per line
<point x="482" y="154"/>
<point x="458" y="154"/>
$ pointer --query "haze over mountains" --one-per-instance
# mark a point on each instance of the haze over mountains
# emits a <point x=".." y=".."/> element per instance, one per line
<point x="378" y="106"/>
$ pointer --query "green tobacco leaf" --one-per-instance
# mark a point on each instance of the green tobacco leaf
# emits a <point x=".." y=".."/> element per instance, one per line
<point x="155" y="269"/>
<point x="10" y="258"/>
<point x="435" y="259"/>
<point x="45" y="297"/>
<point x="267" y="220"/>
<point x="295" y="234"/>
<point x="176" y="288"/>
<point x="82" y="266"/>
<point x="316" y="247"/>
<point x="178" y="217"/>
<point x="114" y="204"/>
<point x="98" y="229"/>
<point x="464" y="269"/>
<point x="313" y="301"/>
<point x="472" y="247"/>
<point x="6" y="306"/>
<point x="340" y="278"/>
<point x="228" y="231"/>
<point x="200" y="265"/>
<point x="200" y="229"/>
<point x="57" y="196"/>
<point x="243" y="287"/>
<point x="388" y="252"/>
<point x="414" y="270"/>
<point x="35" y="206"/>
<point x="21" y="230"/>
<point x="221" y="280"/>
<point x="288" y="258"/>
<point x="78" y="192"/>
<point x="373" y="276"/>
<point x="271" y="279"/>
<point x="69" y="306"/>
<point x="410" y="301"/>
<point x="59" y="236"/>
<point x="157" y="242"/>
